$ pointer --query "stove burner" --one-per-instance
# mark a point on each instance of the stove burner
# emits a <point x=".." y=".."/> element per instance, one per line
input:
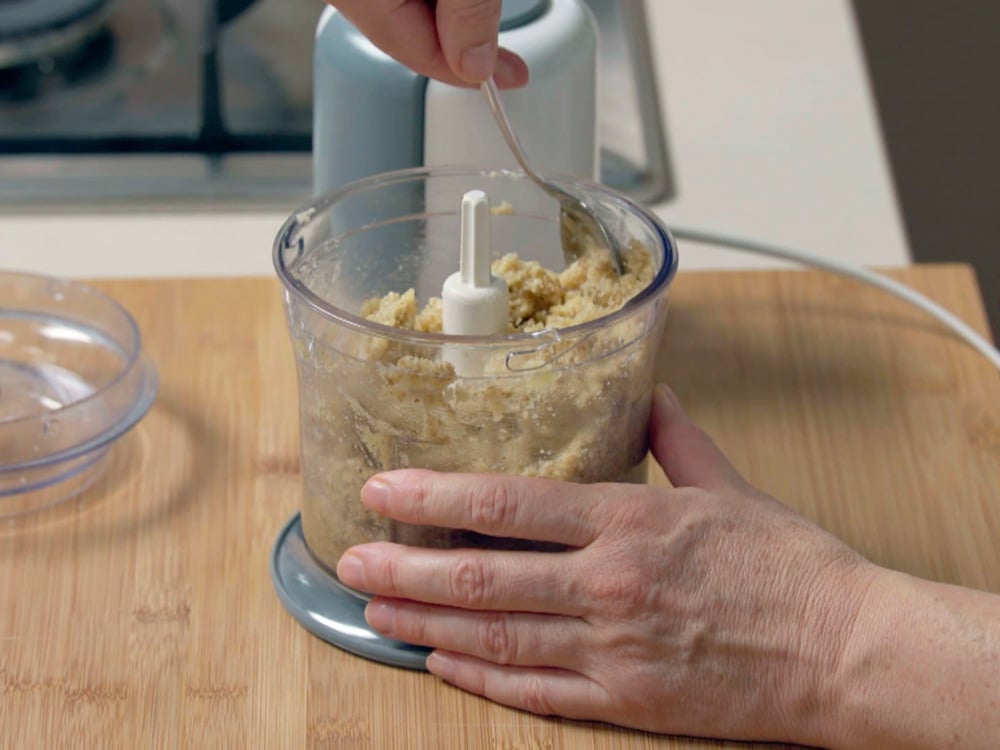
<point x="35" y="29"/>
<point x="24" y="17"/>
<point x="141" y="83"/>
<point x="82" y="63"/>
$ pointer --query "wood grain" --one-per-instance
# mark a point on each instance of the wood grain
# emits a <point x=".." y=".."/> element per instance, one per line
<point x="142" y="614"/>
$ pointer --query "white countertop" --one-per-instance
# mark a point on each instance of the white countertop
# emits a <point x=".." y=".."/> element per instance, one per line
<point x="772" y="131"/>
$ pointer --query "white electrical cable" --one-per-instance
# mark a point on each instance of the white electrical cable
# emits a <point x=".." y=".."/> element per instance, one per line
<point x="863" y="275"/>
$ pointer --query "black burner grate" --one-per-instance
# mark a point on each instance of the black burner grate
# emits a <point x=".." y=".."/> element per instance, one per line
<point x="149" y="76"/>
<point x="20" y="19"/>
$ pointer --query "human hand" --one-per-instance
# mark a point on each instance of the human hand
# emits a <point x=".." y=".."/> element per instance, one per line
<point x="709" y="609"/>
<point x="455" y="41"/>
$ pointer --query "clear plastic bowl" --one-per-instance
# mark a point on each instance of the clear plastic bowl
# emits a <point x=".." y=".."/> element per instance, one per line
<point x="73" y="379"/>
<point x="570" y="404"/>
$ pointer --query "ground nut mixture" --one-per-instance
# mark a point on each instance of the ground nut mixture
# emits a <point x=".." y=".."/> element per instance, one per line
<point x="575" y="410"/>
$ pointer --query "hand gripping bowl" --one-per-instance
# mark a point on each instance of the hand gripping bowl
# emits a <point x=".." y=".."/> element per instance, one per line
<point x="73" y="379"/>
<point x="569" y="403"/>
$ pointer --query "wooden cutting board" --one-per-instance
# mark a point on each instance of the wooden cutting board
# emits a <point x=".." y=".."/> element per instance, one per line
<point x="142" y="615"/>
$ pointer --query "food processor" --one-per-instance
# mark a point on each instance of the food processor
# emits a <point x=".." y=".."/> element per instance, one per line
<point x="569" y="403"/>
<point x="592" y="108"/>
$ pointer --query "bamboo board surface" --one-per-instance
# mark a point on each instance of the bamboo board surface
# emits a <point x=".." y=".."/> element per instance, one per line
<point x="142" y="614"/>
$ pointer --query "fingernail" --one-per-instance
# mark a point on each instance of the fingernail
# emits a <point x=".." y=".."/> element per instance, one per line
<point x="505" y="73"/>
<point x="375" y="494"/>
<point x="442" y="665"/>
<point x="351" y="571"/>
<point x="380" y="616"/>
<point x="509" y="71"/>
<point x="478" y="63"/>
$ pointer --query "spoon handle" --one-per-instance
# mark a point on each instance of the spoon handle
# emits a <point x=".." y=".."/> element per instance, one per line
<point x="489" y="89"/>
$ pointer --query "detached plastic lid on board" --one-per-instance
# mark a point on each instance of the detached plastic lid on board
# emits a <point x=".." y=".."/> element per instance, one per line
<point x="73" y="379"/>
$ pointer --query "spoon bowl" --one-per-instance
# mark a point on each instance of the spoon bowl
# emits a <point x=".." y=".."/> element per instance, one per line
<point x="576" y="219"/>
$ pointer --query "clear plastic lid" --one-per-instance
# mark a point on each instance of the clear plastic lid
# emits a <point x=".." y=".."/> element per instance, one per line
<point x="73" y="379"/>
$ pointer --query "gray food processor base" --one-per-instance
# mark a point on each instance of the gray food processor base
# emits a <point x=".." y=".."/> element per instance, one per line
<point x="327" y="608"/>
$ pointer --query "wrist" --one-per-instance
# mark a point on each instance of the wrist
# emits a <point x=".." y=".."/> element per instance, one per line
<point x="861" y="694"/>
<point x="844" y="613"/>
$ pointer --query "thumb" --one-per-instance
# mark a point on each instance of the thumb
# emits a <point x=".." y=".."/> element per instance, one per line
<point x="468" y="31"/>
<point x="688" y="456"/>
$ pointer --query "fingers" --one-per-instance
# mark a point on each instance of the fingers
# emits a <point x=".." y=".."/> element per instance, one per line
<point x="522" y="639"/>
<point x="549" y="692"/>
<point x="409" y="31"/>
<point x="511" y="71"/>
<point x="468" y="31"/>
<point x="468" y="579"/>
<point x="405" y="30"/>
<point x="499" y="505"/>
<point x="688" y="456"/>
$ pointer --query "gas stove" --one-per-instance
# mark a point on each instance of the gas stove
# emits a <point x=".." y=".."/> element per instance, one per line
<point x="155" y="98"/>
<point x="202" y="102"/>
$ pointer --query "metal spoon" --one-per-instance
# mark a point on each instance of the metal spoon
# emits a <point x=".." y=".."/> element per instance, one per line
<point x="575" y="217"/>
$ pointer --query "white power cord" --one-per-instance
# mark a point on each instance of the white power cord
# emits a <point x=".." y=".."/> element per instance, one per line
<point x="884" y="283"/>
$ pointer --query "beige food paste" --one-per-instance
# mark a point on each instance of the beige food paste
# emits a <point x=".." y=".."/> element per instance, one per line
<point x="568" y="407"/>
